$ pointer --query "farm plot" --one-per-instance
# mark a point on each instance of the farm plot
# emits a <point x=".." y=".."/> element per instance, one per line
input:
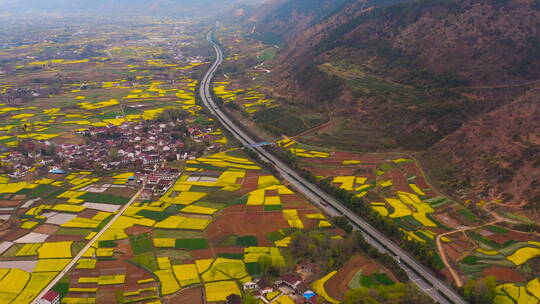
<point x="395" y="188"/>
<point x="50" y="233"/>
<point x="188" y="240"/>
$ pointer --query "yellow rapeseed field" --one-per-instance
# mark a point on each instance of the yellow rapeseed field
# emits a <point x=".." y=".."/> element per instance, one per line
<point x="47" y="265"/>
<point x="186" y="274"/>
<point x="400" y="209"/>
<point x="218" y="291"/>
<point x="163" y="243"/>
<point x="318" y="287"/>
<point x="169" y="284"/>
<point x="55" y="250"/>
<point x="12" y="284"/>
<point x="199" y="209"/>
<point x="522" y="255"/>
<point x="86" y="263"/>
<point x="38" y="281"/>
<point x="28" y="250"/>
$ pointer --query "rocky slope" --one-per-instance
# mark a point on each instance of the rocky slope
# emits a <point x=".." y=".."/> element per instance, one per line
<point x="439" y="76"/>
<point x="498" y="153"/>
<point x="430" y="42"/>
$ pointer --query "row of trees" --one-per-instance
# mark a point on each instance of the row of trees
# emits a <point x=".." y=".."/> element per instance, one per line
<point x="421" y="250"/>
<point x="316" y="246"/>
<point x="397" y="293"/>
<point x="475" y="292"/>
<point x="480" y="291"/>
<point x="372" y="252"/>
<point x="312" y="247"/>
<point x="172" y="115"/>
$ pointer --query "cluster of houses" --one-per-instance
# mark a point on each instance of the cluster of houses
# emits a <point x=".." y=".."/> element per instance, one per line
<point x="293" y="284"/>
<point x="130" y="145"/>
<point x="17" y="96"/>
<point x="156" y="181"/>
<point x="114" y="147"/>
<point x="15" y="164"/>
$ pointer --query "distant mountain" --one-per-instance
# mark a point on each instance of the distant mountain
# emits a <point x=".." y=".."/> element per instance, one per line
<point x="428" y="72"/>
<point x="119" y="7"/>
<point x="277" y="20"/>
<point x="490" y="42"/>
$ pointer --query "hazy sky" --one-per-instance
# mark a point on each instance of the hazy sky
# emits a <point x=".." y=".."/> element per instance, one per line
<point x="108" y="7"/>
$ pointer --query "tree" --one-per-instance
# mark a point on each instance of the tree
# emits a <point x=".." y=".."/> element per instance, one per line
<point x="397" y="293"/>
<point x="113" y="153"/>
<point x="481" y="291"/>
<point x="359" y="296"/>
<point x="172" y="115"/>
<point x="249" y="299"/>
<point x="265" y="264"/>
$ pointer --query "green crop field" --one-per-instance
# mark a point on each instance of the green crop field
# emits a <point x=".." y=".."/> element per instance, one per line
<point x="191" y="244"/>
<point x="104" y="198"/>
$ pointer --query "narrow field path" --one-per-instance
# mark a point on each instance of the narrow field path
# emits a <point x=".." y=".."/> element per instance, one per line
<point x="316" y="128"/>
<point x="455" y="275"/>
<point x="61" y="274"/>
<point x="497" y="219"/>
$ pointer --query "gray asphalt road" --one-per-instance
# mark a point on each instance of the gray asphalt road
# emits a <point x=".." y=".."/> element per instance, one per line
<point x="419" y="274"/>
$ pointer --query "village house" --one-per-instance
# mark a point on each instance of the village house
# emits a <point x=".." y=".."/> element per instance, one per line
<point x="292" y="282"/>
<point x="259" y="287"/>
<point x="146" y="195"/>
<point x="51" y="297"/>
<point x="132" y="144"/>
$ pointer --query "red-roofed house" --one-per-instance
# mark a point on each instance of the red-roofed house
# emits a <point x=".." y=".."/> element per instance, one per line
<point x="51" y="297"/>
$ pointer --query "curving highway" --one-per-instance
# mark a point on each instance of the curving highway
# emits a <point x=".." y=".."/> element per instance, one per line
<point x="420" y="275"/>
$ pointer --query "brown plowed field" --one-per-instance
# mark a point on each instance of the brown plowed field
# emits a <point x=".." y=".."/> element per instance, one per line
<point x="202" y="254"/>
<point x="6" y="204"/>
<point x="399" y="181"/>
<point x="251" y="221"/>
<point x="511" y="235"/>
<point x="230" y="249"/>
<point x="46" y="229"/>
<point x="414" y="170"/>
<point x="136" y="230"/>
<point x="456" y="250"/>
<point x="337" y="286"/>
<point x="14" y="234"/>
<point x="190" y="295"/>
<point x="88" y="213"/>
<point x="503" y="274"/>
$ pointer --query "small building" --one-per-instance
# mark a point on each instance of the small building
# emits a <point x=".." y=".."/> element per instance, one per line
<point x="309" y="267"/>
<point x="146" y="195"/>
<point x="294" y="282"/>
<point x="153" y="180"/>
<point x="51" y="297"/>
<point x="260" y="287"/>
<point x="310" y="296"/>
<point x="250" y="286"/>
<point x="57" y="171"/>
<point x="264" y="286"/>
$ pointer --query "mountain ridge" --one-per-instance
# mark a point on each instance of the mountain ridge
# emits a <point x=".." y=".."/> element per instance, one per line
<point x="426" y="71"/>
